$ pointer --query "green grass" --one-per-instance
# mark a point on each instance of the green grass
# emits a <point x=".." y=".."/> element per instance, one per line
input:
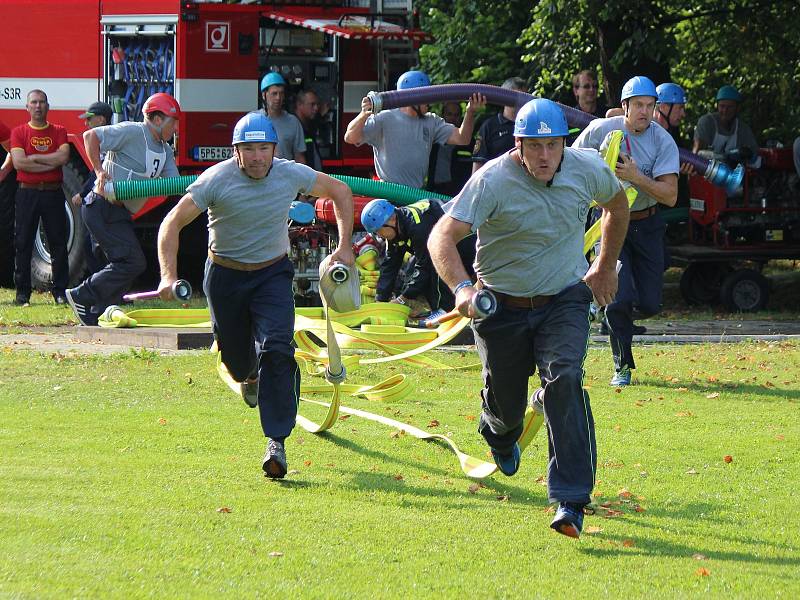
<point x="114" y="470"/>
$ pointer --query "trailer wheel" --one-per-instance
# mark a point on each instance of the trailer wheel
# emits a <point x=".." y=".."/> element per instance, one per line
<point x="745" y="290"/>
<point x="701" y="282"/>
<point x="75" y="175"/>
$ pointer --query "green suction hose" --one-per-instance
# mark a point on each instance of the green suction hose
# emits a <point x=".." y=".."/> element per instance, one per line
<point x="400" y="195"/>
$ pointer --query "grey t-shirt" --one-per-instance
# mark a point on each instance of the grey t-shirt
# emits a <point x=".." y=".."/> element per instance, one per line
<point x="402" y="144"/>
<point x="247" y="218"/>
<point x="125" y="146"/>
<point x="530" y="236"/>
<point x="710" y="125"/>
<point x="654" y="150"/>
<point x="291" y="139"/>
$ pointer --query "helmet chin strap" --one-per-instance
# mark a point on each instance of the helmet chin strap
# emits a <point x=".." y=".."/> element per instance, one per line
<point x="418" y="109"/>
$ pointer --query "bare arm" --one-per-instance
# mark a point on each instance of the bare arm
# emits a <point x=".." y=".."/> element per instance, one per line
<point x="355" y="129"/>
<point x="444" y="255"/>
<point x="463" y="135"/>
<point x="602" y="276"/>
<point x="342" y="197"/>
<point x="56" y="159"/>
<point x="25" y="163"/>
<point x="183" y="213"/>
<point x="663" y="188"/>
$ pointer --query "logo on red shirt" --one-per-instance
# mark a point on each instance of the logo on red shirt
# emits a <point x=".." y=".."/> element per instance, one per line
<point x="41" y="143"/>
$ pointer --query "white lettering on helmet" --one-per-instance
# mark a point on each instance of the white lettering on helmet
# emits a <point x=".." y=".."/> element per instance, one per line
<point x="543" y="128"/>
<point x="255" y="135"/>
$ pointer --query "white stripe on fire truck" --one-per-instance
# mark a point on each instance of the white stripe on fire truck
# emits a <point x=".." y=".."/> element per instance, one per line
<point x="63" y="94"/>
<point x="217" y="95"/>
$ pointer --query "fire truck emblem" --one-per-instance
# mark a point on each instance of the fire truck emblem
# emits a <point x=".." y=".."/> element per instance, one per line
<point x="218" y="36"/>
<point x="41" y="144"/>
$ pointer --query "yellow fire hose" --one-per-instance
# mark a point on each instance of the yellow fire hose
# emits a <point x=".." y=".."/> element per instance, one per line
<point x="371" y="326"/>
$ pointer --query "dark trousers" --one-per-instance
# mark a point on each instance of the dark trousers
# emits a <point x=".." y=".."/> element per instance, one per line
<point x="640" y="284"/>
<point x="30" y="206"/>
<point x="512" y="344"/>
<point x="112" y="227"/>
<point x="252" y="313"/>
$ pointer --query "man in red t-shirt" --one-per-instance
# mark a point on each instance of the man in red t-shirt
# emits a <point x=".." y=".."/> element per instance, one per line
<point x="38" y="151"/>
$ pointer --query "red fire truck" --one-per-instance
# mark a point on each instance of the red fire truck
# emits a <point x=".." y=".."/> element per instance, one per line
<point x="211" y="57"/>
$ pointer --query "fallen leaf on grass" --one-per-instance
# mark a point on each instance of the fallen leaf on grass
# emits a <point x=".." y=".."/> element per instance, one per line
<point x="728" y="458"/>
<point x="702" y="572"/>
<point x="343" y="417"/>
<point x="162" y="421"/>
<point x="593" y="529"/>
<point x="224" y="509"/>
<point x="624" y="493"/>
<point x="473" y="488"/>
<point x="503" y="498"/>
<point x="698" y="556"/>
<point x="628" y="543"/>
<point x="397" y="434"/>
<point x="617" y="428"/>
<point x="684" y="413"/>
<point x="691" y="472"/>
<point x="276" y="554"/>
<point x="780" y="438"/>
<point x="433" y="423"/>
<point x="306" y="463"/>
<point x="712" y="395"/>
<point x="639" y="509"/>
<point x="618" y="390"/>
<point x="293" y="472"/>
<point x="469" y="417"/>
<point x="398" y="477"/>
<point x="682" y="389"/>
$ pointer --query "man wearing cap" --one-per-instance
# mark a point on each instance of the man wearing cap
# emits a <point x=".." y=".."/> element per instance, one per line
<point x="496" y="134"/>
<point x="38" y="150"/>
<point x="648" y="161"/>
<point x="528" y="207"/>
<point x="723" y="132"/>
<point x="97" y="115"/>
<point x="291" y="139"/>
<point x="133" y="151"/>
<point x="248" y="277"/>
<point x="402" y="138"/>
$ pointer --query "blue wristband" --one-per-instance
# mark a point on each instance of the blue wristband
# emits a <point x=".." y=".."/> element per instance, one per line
<point x="461" y="285"/>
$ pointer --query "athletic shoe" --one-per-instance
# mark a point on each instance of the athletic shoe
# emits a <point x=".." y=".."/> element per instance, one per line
<point x="60" y="299"/>
<point x="507" y="463"/>
<point x="250" y="393"/>
<point x="536" y="402"/>
<point x="569" y="519"/>
<point x="82" y="311"/>
<point x="21" y="300"/>
<point x="622" y="377"/>
<point x="274" y="463"/>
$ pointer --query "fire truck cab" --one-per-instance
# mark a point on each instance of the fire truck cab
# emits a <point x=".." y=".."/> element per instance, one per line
<point x="211" y="56"/>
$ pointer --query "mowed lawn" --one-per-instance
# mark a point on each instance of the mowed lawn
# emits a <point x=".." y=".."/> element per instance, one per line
<point x="138" y="475"/>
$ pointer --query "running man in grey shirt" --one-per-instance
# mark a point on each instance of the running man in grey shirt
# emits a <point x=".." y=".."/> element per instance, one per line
<point x="248" y="277"/>
<point x="132" y="151"/>
<point x="402" y="138"/>
<point x="528" y="207"/>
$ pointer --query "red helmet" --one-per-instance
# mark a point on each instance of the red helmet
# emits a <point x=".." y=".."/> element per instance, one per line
<point x="164" y="103"/>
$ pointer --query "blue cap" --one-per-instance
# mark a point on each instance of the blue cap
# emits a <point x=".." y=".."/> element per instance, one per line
<point x="413" y="79"/>
<point x="272" y="78"/>
<point x="639" y="86"/>
<point x="375" y="214"/>
<point x="670" y="93"/>
<point x="540" y="118"/>
<point x="254" y="127"/>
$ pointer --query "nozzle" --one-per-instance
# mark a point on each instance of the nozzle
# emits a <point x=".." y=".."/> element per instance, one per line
<point x="484" y="303"/>
<point x="721" y="174"/>
<point x="335" y="379"/>
<point x="377" y="102"/>
<point x="339" y="273"/>
<point x="182" y="290"/>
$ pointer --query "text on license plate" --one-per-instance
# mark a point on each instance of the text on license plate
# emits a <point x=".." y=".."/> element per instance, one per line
<point x="212" y="153"/>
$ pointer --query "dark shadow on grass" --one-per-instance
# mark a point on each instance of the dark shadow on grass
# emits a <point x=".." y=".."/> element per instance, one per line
<point x="742" y="389"/>
<point x="383" y="481"/>
<point x="706" y="545"/>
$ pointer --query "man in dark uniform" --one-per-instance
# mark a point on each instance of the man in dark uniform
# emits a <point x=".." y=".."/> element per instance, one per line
<point x="406" y="229"/>
<point x="496" y="134"/>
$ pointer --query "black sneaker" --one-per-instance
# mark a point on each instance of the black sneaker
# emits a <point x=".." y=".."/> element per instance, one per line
<point x="60" y="299"/>
<point x="274" y="463"/>
<point x="569" y="519"/>
<point x="82" y="311"/>
<point x="250" y="393"/>
<point x="21" y="300"/>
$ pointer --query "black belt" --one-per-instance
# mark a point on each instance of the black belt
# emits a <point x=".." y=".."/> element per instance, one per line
<point x="637" y="215"/>
<point x="41" y="186"/>
<point x="526" y="302"/>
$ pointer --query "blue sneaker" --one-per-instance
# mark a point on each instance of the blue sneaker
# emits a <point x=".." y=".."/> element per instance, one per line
<point x="507" y="463"/>
<point x="622" y="377"/>
<point x="83" y="312"/>
<point x="569" y="519"/>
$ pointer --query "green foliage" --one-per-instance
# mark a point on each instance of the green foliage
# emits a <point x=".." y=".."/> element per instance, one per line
<point x="753" y="44"/>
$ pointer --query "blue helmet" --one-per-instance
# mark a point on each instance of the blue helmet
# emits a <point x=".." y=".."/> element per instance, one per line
<point x="375" y="214"/>
<point x="670" y="93"/>
<point x="413" y="79"/>
<point x="639" y="86"/>
<point x="728" y="92"/>
<point x="254" y="127"/>
<point x="272" y="78"/>
<point x="540" y="118"/>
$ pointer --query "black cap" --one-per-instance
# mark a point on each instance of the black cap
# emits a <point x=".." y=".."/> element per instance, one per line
<point x="98" y="108"/>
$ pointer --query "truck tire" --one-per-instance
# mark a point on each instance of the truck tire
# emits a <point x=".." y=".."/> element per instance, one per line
<point x="701" y="282"/>
<point x="75" y="175"/>
<point x="745" y="290"/>
<point x="7" y="190"/>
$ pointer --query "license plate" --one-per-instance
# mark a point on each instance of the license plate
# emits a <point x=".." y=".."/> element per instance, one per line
<point x="212" y="153"/>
